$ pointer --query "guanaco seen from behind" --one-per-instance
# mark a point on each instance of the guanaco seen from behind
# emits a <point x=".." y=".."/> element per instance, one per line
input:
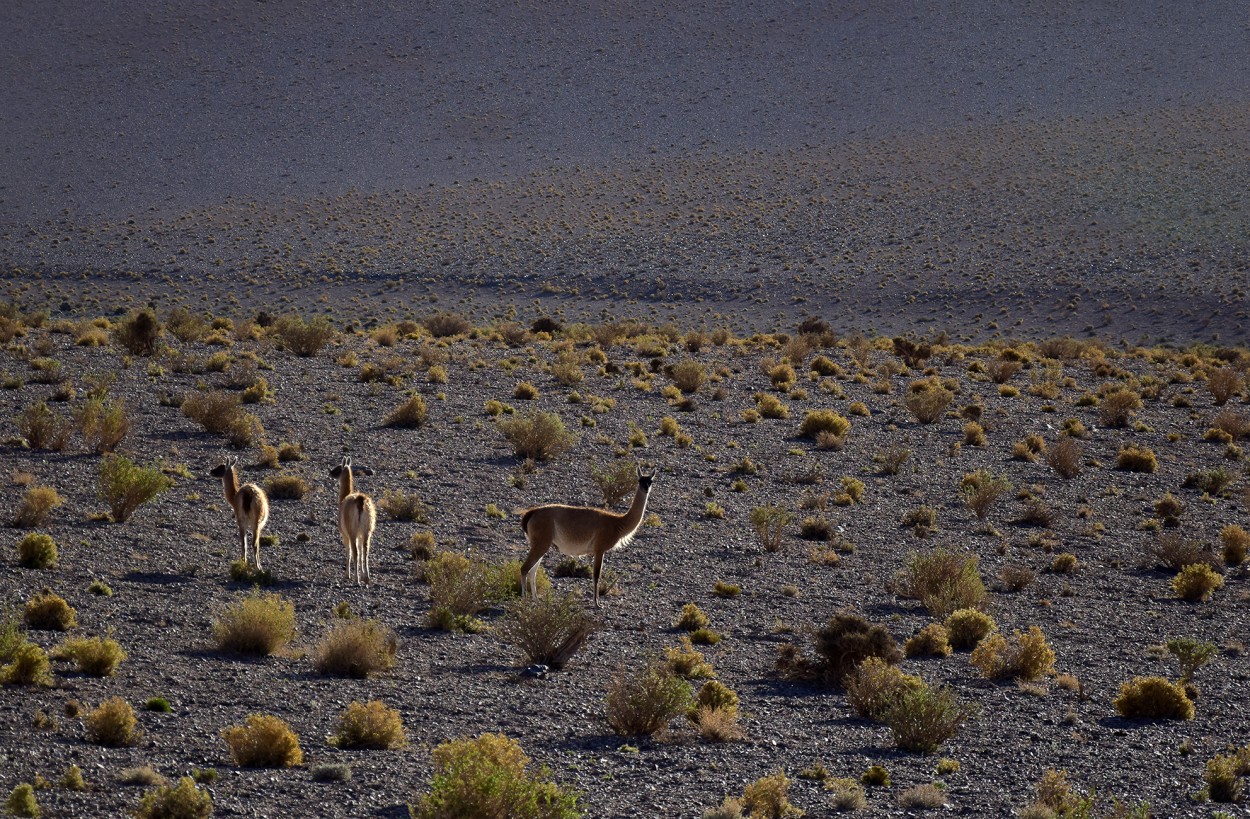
<point x="357" y="517"/>
<point x="249" y="502"/>
<point x="579" y="530"/>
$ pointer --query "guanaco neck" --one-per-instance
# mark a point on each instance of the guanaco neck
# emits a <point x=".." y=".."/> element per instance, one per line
<point x="230" y="483"/>
<point x="345" y="483"/>
<point x="632" y="518"/>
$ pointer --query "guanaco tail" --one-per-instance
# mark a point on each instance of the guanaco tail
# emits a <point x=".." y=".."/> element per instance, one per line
<point x="249" y="502"/>
<point x="579" y="530"/>
<point x="357" y="517"/>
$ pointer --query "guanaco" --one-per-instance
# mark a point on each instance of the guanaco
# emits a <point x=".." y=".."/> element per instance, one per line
<point x="249" y="502"/>
<point x="357" y="517"/>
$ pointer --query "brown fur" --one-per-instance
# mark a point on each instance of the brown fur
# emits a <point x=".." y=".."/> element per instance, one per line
<point x="249" y="504"/>
<point x="357" y="519"/>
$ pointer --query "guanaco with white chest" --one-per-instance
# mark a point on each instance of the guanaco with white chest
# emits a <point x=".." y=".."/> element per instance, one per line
<point x="357" y="518"/>
<point x="249" y="502"/>
<point x="578" y="531"/>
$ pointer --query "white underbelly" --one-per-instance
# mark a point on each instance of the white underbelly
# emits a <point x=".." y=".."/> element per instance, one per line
<point x="581" y="548"/>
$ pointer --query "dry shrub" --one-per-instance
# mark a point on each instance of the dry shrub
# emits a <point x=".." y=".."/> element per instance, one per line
<point x="548" y="631"/>
<point x="717" y="724"/>
<point x="356" y="648"/>
<point x="688" y="376"/>
<point x="1065" y="457"/>
<point x="642" y="703"/>
<point x="1223" y="384"/>
<point x="1153" y="698"/>
<point x="1132" y="458"/>
<point x="1234" y="542"/>
<point x="125" y="485"/>
<point x="286" y="487"/>
<point x="967" y="627"/>
<point x="943" y="580"/>
<point x="1016" y="578"/>
<point x="769" y="523"/>
<point x="615" y="482"/>
<point x="37" y="551"/>
<point x="1235" y="425"/>
<point x="36" y="504"/>
<point x="687" y="661"/>
<point x="409" y="415"/>
<point x="1117" y="407"/>
<point x="1028" y="449"/>
<point x="445" y="325"/>
<point x="103" y="424"/>
<point x="847" y="640"/>
<point x="1065" y="563"/>
<point x="304" y="338"/>
<point x="891" y="459"/>
<point x="182" y="801"/>
<point x="1026" y="657"/>
<point x="371" y="725"/>
<point x="982" y="489"/>
<point x="1174" y="552"/>
<point x="691" y="618"/>
<point x="846" y="795"/>
<point x="1223" y="779"/>
<point x="263" y="741"/>
<point x="458" y="590"/>
<point x="1211" y="481"/>
<point x="112" y="724"/>
<point x="928" y="400"/>
<point x="1196" y="582"/>
<point x="399" y="505"/>
<point x="829" y="422"/>
<point x="874" y="686"/>
<point x="258" y="624"/>
<point x="921" y="719"/>
<point x="923" y="797"/>
<point x="931" y="641"/>
<point x="96" y="656"/>
<point x="540" y="436"/>
<point x="487" y="776"/>
<point x="44" y="429"/>
<point x="769" y="798"/>
<point x="770" y="406"/>
<point x="138" y="332"/>
<point x="49" y="612"/>
<point x="222" y="414"/>
<point x="27" y="664"/>
<point x="1001" y="370"/>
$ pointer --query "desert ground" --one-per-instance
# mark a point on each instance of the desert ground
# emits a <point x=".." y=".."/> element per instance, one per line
<point x="1057" y="187"/>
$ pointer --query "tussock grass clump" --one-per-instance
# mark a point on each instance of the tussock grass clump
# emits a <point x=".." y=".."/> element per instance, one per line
<point x="967" y="627"/>
<point x="847" y="640"/>
<point x="356" y="648"/>
<point x="540" y="436"/>
<point x="1196" y="582"/>
<point x="263" y="741"/>
<point x="409" y="415"/>
<point x="125" y="486"/>
<point x="1153" y="698"/>
<point x="642" y="703"/>
<point x="44" y="429"/>
<point x="49" y="612"/>
<point x="943" y="580"/>
<point x="1027" y="656"/>
<point x="95" y="656"/>
<point x="490" y="775"/>
<point x="36" y="504"/>
<point x="548" y="630"/>
<point x="369" y="725"/>
<point x="113" y="724"/>
<point x="304" y="338"/>
<point x="258" y="624"/>
<point x="874" y="686"/>
<point x="286" y="487"/>
<point x="37" y="551"/>
<point x="182" y="801"/>
<point x="1132" y="458"/>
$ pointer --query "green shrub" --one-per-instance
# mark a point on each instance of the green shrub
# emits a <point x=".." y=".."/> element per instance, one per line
<point x="1136" y="459"/>
<point x="691" y="618"/>
<point x="96" y="656"/>
<point x="1196" y="582"/>
<point x="769" y="523"/>
<point x="921" y="719"/>
<point x="36" y="504"/>
<point x="182" y="801"/>
<point x="371" y="725"/>
<point x="643" y="703"/>
<point x="263" y="741"/>
<point x="125" y="486"/>
<point x="548" y="630"/>
<point x="112" y="724"/>
<point x="21" y="801"/>
<point x="967" y="627"/>
<point x="27" y="665"/>
<point x="943" y="580"/>
<point x="409" y="415"/>
<point x="138" y="332"/>
<point x="847" y="640"/>
<point x="37" y="551"/>
<point x="540" y="436"/>
<point x="356" y="648"/>
<point x="1026" y="657"/>
<point x="49" y="612"/>
<point x="303" y="338"/>
<point x="874" y="686"/>
<point x="159" y="705"/>
<point x="828" y="421"/>
<point x="503" y="580"/>
<point x="1153" y="698"/>
<point x="1190" y="655"/>
<point x="487" y="776"/>
<point x="258" y="624"/>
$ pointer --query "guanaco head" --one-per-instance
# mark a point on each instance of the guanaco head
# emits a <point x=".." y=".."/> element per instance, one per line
<point x="225" y="467"/>
<point x="346" y="466"/>
<point x="645" y="479"/>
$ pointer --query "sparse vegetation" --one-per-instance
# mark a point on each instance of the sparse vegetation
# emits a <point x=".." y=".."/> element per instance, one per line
<point x="185" y="800"/>
<point x="943" y="580"/>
